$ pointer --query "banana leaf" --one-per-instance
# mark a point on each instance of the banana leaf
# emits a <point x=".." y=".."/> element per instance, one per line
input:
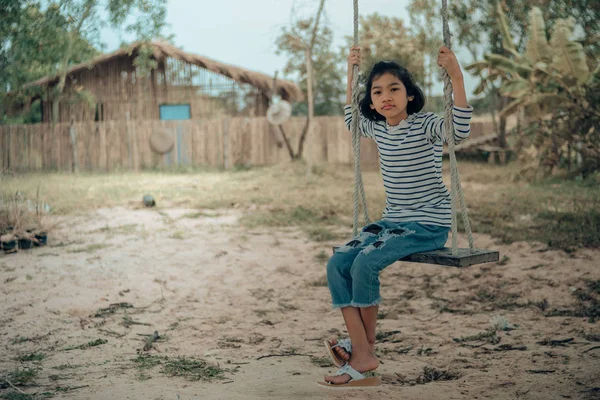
<point x="568" y="57"/>
<point x="546" y="103"/>
<point x="477" y="67"/>
<point x="507" y="65"/>
<point x="512" y="107"/>
<point x="481" y="87"/>
<point x="515" y="88"/>
<point x="507" y="40"/>
<point x="594" y="74"/>
<point x="537" y="45"/>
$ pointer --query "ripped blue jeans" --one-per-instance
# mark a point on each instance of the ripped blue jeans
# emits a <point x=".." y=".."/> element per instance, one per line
<point x="353" y="270"/>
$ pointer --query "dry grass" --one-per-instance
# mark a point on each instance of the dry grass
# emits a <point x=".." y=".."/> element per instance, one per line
<point x="563" y="215"/>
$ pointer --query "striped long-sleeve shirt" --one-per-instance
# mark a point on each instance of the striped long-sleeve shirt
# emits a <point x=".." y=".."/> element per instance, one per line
<point x="410" y="156"/>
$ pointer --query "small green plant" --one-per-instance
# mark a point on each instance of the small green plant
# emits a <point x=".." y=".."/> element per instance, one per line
<point x="323" y="362"/>
<point x="147" y="361"/>
<point x="431" y="374"/>
<point x="486" y="336"/>
<point x="319" y="282"/>
<point x="88" y="345"/>
<point x="89" y="248"/>
<point x="321" y="257"/>
<point x="31" y="357"/>
<point x="192" y="369"/>
<point x="22" y="376"/>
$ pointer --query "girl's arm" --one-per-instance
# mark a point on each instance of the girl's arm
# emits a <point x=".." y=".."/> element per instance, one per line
<point x="365" y="125"/>
<point x="461" y="112"/>
<point x="447" y="60"/>
<point x="353" y="59"/>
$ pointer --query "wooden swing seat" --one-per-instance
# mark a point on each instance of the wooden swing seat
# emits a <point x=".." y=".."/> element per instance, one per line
<point x="444" y="256"/>
<point x="463" y="257"/>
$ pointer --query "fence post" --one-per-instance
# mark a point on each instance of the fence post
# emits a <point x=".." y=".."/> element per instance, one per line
<point x="129" y="141"/>
<point x="73" y="135"/>
<point x="102" y="158"/>
<point x="226" y="122"/>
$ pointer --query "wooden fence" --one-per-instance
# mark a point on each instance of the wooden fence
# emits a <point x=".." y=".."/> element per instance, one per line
<point x="222" y="142"/>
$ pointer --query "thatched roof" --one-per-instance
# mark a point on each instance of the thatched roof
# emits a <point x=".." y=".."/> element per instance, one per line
<point x="286" y="89"/>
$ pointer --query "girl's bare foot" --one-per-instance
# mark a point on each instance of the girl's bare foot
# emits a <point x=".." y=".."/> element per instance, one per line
<point x="340" y="351"/>
<point x="361" y="364"/>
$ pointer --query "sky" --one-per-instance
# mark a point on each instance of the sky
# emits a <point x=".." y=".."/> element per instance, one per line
<point x="243" y="32"/>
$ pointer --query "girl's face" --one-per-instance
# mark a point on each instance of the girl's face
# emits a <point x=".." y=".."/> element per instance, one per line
<point x="389" y="98"/>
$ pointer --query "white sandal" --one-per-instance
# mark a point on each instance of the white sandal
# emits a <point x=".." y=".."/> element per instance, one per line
<point x="357" y="380"/>
<point x="345" y="344"/>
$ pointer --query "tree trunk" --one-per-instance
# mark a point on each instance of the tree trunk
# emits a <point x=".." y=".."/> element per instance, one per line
<point x="311" y="110"/>
<point x="502" y="126"/>
<point x="64" y="65"/>
<point x="309" y="84"/>
<point x="288" y="145"/>
<point x="73" y="137"/>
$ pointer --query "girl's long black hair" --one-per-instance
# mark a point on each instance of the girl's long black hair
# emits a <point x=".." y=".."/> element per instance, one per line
<point x="382" y="67"/>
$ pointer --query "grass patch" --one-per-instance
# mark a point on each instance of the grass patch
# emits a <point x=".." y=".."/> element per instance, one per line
<point x="116" y="230"/>
<point x="111" y="309"/>
<point x="588" y="303"/>
<point x="488" y="336"/>
<point x="179" y="235"/>
<point x="20" y="339"/>
<point x="564" y="215"/>
<point x="283" y="217"/>
<point x="89" y="248"/>
<point x="322" y="257"/>
<point x="144" y="362"/>
<point x="319" y="282"/>
<point x="85" y="346"/>
<point x="431" y="374"/>
<point x="21" y="376"/>
<point x="31" y="357"/>
<point x="322" y="362"/>
<point x="192" y="369"/>
<point x="25" y="396"/>
<point x="198" y="214"/>
<point x="63" y="367"/>
<point x="497" y="299"/>
<point x="321" y="234"/>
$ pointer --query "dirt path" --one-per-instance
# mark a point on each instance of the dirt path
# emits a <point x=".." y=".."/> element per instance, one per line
<point x="216" y="292"/>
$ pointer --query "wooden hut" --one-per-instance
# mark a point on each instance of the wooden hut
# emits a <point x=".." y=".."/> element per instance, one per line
<point x="179" y="86"/>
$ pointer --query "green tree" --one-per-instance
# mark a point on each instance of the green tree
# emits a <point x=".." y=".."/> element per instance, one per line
<point x="325" y="66"/>
<point x="49" y="39"/>
<point x="474" y="24"/>
<point x="551" y="81"/>
<point x="308" y="44"/>
<point x="34" y="44"/>
<point x="387" y="38"/>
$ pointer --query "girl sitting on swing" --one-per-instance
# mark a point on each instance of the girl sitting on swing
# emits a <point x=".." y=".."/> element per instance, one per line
<point x="417" y="215"/>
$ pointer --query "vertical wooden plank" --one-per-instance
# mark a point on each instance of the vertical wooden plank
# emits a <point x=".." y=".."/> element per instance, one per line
<point x="135" y="146"/>
<point x="102" y="148"/>
<point x="226" y="143"/>
<point x="73" y="137"/>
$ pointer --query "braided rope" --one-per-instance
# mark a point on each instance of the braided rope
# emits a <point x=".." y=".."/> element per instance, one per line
<point x="456" y="189"/>
<point x="359" y="191"/>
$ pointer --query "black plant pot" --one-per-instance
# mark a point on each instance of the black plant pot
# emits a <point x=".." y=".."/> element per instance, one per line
<point x="25" y="243"/>
<point x="42" y="239"/>
<point x="9" y="247"/>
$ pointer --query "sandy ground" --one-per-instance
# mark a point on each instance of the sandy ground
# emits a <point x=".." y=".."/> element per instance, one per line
<point x="231" y="296"/>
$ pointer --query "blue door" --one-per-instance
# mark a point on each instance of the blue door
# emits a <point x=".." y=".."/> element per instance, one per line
<point x="176" y="112"/>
